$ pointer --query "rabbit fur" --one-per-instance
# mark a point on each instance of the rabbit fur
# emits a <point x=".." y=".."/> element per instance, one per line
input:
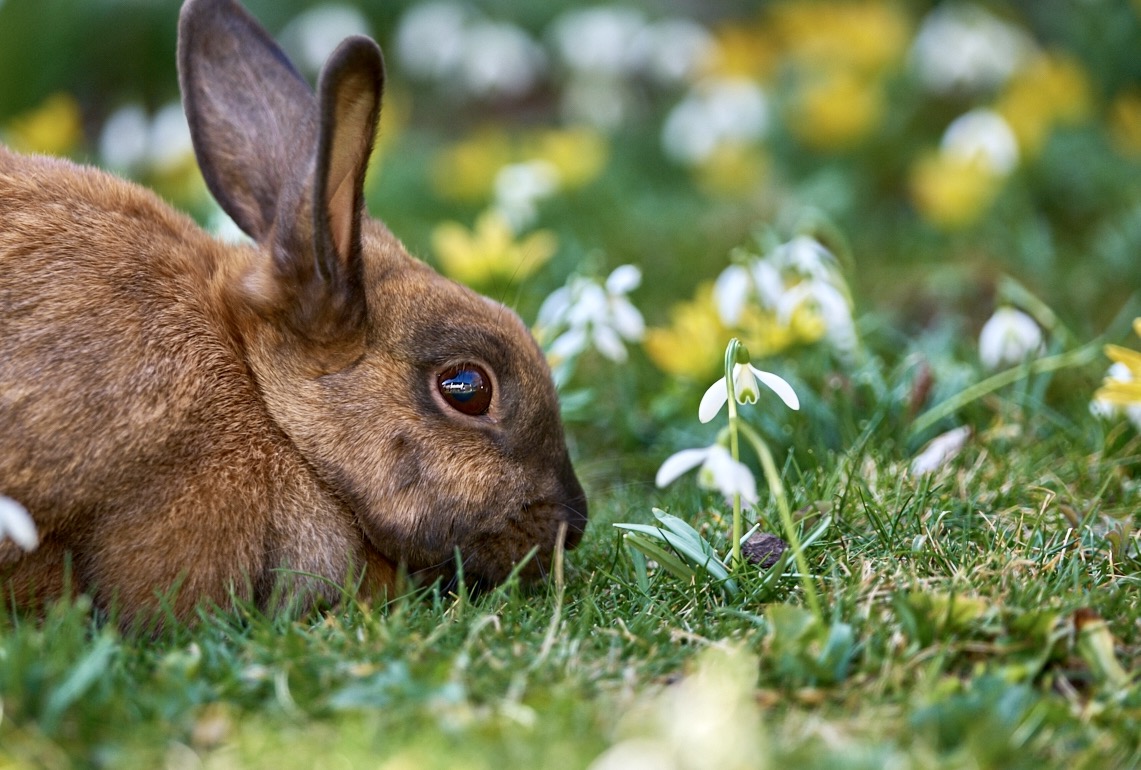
<point x="189" y="421"/>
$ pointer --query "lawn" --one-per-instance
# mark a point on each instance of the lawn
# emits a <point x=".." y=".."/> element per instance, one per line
<point x="932" y="251"/>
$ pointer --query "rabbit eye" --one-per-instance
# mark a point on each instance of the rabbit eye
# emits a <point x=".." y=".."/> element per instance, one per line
<point x="466" y="388"/>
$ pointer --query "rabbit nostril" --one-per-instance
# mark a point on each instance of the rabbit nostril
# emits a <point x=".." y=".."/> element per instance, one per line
<point x="466" y="388"/>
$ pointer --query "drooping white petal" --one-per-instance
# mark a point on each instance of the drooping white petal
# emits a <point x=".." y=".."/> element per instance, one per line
<point x="940" y="450"/>
<point x="568" y="344"/>
<point x="1009" y="337"/>
<point x="17" y="525"/>
<point x="778" y="386"/>
<point x="554" y="308"/>
<point x="589" y="304"/>
<point x="722" y="473"/>
<point x="627" y="320"/>
<point x="624" y="279"/>
<point x="713" y="400"/>
<point x="678" y="463"/>
<point x="608" y="343"/>
<point x="729" y="293"/>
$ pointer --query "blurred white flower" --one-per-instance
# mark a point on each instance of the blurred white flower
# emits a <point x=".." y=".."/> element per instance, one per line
<point x="715" y="112"/>
<point x="16" y="525"/>
<point x="598" y="39"/>
<point x="982" y="134"/>
<point x="745" y="389"/>
<point x="672" y="50"/>
<point x="585" y="313"/>
<point x="499" y="59"/>
<point x="132" y="141"/>
<point x="430" y="38"/>
<point x="1106" y="410"/>
<point x="719" y="472"/>
<point x="520" y="186"/>
<point x="600" y="102"/>
<point x="965" y="47"/>
<point x="940" y="450"/>
<point x="316" y="33"/>
<point x="1009" y="337"/>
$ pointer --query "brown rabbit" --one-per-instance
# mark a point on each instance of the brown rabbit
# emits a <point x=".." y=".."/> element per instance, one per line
<point x="179" y="415"/>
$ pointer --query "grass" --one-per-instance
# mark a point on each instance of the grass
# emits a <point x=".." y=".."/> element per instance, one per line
<point x="948" y="640"/>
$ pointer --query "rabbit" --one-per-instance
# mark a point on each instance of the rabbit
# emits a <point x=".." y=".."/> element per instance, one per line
<point x="193" y="422"/>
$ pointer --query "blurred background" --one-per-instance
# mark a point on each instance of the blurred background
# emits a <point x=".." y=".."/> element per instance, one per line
<point x="951" y="157"/>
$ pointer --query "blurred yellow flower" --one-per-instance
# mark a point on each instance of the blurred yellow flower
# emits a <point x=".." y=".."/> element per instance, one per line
<point x="579" y="154"/>
<point x="491" y="251"/>
<point x="1052" y="90"/>
<point x="952" y="191"/>
<point x="1123" y="391"/>
<point x="732" y="170"/>
<point x="53" y="128"/>
<point x="764" y="334"/>
<point x="1125" y="123"/>
<point x="466" y="171"/>
<point x="834" y="109"/>
<point x="866" y="36"/>
<point x="742" y="51"/>
<point x="683" y="348"/>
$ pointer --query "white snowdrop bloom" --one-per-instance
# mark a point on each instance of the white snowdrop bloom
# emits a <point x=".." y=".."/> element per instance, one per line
<point x="587" y="313"/>
<point x="169" y="137"/>
<point x="940" y="450"/>
<point x="316" y="33"/>
<point x="1009" y="337"/>
<point x="672" y="50"/>
<point x="745" y="377"/>
<point x="597" y="40"/>
<point x="16" y="525"/>
<point x="982" y="134"/>
<point x="1106" y="410"/>
<point x="518" y="189"/>
<point x="715" y="112"/>
<point x="833" y="305"/>
<point x="965" y="47"/>
<point x="807" y="257"/>
<point x="499" y="59"/>
<point x="718" y="471"/>
<point x="125" y="138"/>
<point x="429" y="38"/>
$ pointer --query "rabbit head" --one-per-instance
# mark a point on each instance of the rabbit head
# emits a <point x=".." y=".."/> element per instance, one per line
<point x="427" y="408"/>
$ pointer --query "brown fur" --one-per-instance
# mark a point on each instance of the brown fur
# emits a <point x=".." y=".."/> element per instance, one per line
<point x="175" y="412"/>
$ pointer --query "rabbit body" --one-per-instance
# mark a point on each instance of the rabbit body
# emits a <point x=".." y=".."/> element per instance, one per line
<point x="186" y="417"/>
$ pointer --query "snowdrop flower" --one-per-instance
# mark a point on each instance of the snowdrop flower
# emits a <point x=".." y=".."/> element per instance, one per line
<point x="430" y="38"/>
<point x="982" y="134"/>
<point x="940" y="450"/>
<point x="673" y="50"/>
<point x="745" y="388"/>
<point x="833" y="305"/>
<point x="520" y="186"/>
<point x="499" y="59"/>
<point x="593" y="313"/>
<point x="16" y="525"/>
<point x="731" y="290"/>
<point x="125" y="138"/>
<point x="718" y="472"/>
<point x="169" y="138"/>
<point x="962" y="46"/>
<point x="716" y="112"/>
<point x="316" y="33"/>
<point x="597" y="40"/>
<point x="1009" y="337"/>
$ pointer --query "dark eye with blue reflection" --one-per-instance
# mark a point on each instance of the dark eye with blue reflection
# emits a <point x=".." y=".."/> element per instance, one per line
<point x="466" y="388"/>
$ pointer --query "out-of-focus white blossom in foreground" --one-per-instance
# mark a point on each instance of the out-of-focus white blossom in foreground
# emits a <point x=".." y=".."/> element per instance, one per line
<point x="719" y="472"/>
<point x="586" y="313"/>
<point x="940" y="450"/>
<point x="519" y="187"/>
<point x="745" y="390"/>
<point x="717" y="112"/>
<point x="1008" y="338"/>
<point x="316" y="33"/>
<point x="131" y="141"/>
<point x="16" y="525"/>
<point x="963" y="47"/>
<point x="709" y="719"/>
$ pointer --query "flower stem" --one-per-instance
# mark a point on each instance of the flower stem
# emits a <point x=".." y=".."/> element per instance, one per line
<point x="734" y="445"/>
<point x="776" y="488"/>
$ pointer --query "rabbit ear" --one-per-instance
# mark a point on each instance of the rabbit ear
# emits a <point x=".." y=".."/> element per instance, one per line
<point x="250" y="113"/>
